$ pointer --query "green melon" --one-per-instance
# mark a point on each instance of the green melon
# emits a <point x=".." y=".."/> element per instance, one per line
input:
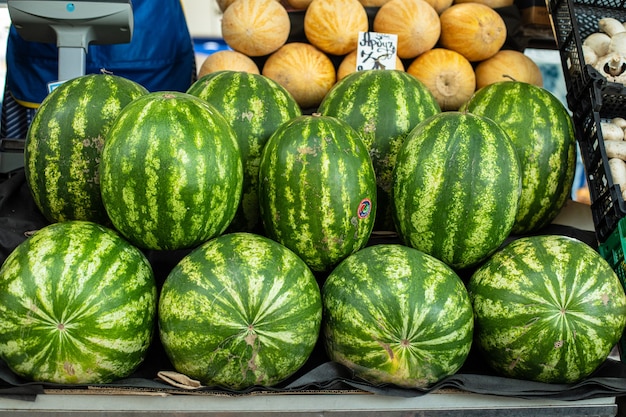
<point x="547" y="308"/>
<point x="77" y="305"/>
<point x="64" y="143"/>
<point x="171" y="172"/>
<point x="383" y="106"/>
<point x="317" y="190"/>
<point x="456" y="188"/>
<point x="240" y="311"/>
<point x="395" y="315"/>
<point x="543" y="134"/>
<point x="254" y="106"/>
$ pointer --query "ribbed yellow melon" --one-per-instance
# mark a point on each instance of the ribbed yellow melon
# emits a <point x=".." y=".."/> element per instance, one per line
<point x="447" y="74"/>
<point x="494" y="4"/>
<point x="227" y="60"/>
<point x="474" y="30"/>
<point x="440" y="5"/>
<point x="414" y="21"/>
<point x="508" y="65"/>
<point x="303" y="70"/>
<point x="373" y="3"/>
<point x="333" y="26"/>
<point x="299" y="4"/>
<point x="255" y="27"/>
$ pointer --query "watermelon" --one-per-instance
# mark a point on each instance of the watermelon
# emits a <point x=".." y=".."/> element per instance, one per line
<point x="547" y="308"/>
<point x="317" y="190"/>
<point x="171" y="172"/>
<point x="456" y="187"/>
<point x="240" y="311"/>
<point x="394" y="314"/>
<point x="64" y="144"/>
<point x="77" y="305"/>
<point x="543" y="134"/>
<point x="254" y="106"/>
<point x="383" y="106"/>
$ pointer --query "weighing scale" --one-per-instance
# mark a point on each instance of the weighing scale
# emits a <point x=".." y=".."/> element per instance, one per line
<point x="74" y="25"/>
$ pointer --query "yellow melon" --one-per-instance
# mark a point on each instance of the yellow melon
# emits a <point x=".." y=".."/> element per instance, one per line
<point x="447" y="74"/>
<point x="508" y="65"/>
<point x="333" y="26"/>
<point x="303" y="70"/>
<point x="474" y="30"/>
<point x="227" y="60"/>
<point x="414" y="21"/>
<point x="494" y="4"/>
<point x="299" y="4"/>
<point x="440" y="5"/>
<point x="373" y="3"/>
<point x="255" y="27"/>
<point x="223" y="4"/>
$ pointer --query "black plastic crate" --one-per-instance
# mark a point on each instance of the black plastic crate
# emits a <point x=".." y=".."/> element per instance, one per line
<point x="607" y="203"/>
<point x="573" y="21"/>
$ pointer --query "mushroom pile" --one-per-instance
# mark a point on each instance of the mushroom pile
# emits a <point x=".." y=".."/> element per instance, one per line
<point x="614" y="135"/>
<point x="605" y="49"/>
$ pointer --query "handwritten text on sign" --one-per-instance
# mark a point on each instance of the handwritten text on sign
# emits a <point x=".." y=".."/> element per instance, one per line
<point x="376" y="51"/>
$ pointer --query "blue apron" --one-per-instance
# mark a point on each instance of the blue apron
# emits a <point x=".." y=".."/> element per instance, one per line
<point x="160" y="57"/>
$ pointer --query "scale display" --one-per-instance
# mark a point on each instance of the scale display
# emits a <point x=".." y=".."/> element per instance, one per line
<point x="73" y="26"/>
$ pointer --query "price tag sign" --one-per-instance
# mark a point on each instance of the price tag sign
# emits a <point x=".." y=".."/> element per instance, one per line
<point x="376" y="51"/>
<point x="54" y="84"/>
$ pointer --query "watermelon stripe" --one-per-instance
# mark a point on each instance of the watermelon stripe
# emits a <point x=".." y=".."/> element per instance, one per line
<point x="102" y="338"/>
<point x="64" y="143"/>
<point x="254" y="106"/>
<point x="181" y="180"/>
<point x="314" y="174"/>
<point x="379" y="307"/>
<point x="543" y="134"/>
<point x="545" y="290"/>
<point x="437" y="181"/>
<point x="250" y="314"/>
<point x="383" y="106"/>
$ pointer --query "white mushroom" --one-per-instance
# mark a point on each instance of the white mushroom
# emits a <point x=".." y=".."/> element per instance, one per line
<point x="599" y="42"/>
<point x="616" y="165"/>
<point x="611" y="131"/>
<point x="613" y="67"/>
<point x="609" y="45"/>
<point x="611" y="26"/>
<point x="617" y="168"/>
<point x="589" y="55"/>
<point x="615" y="149"/>
<point x="618" y="43"/>
<point x="619" y="121"/>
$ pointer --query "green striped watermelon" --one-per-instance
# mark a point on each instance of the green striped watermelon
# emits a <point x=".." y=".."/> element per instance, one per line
<point x="255" y="106"/>
<point x="317" y="189"/>
<point x="77" y="305"/>
<point x="543" y="134"/>
<point x="171" y="173"/>
<point x="64" y="143"/>
<point x="456" y="188"/>
<point x="547" y="308"/>
<point x="394" y="314"/>
<point x="241" y="310"/>
<point x="383" y="106"/>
